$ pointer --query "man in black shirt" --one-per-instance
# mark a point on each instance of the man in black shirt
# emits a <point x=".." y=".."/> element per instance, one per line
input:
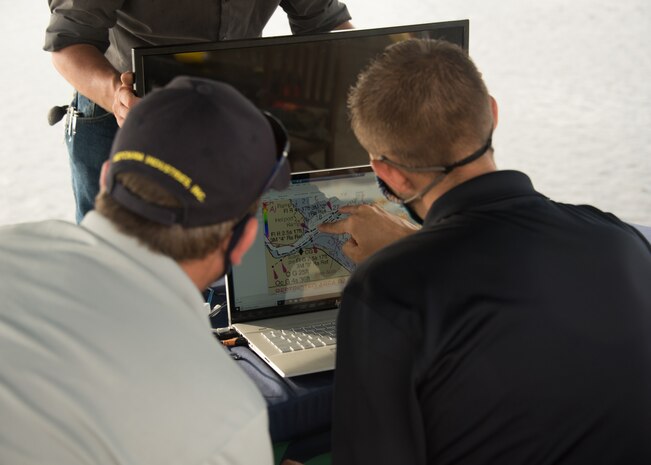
<point x="510" y="329"/>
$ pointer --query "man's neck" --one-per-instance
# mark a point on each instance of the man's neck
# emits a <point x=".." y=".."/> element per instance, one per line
<point x="204" y="271"/>
<point x="455" y="178"/>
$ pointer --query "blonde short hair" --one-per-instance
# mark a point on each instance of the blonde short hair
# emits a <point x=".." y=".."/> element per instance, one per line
<point x="422" y="102"/>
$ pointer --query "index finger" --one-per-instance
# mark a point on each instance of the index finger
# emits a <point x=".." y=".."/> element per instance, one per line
<point x="336" y="227"/>
<point x="348" y="208"/>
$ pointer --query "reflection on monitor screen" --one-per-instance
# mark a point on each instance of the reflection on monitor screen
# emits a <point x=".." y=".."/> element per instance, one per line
<point x="303" y="80"/>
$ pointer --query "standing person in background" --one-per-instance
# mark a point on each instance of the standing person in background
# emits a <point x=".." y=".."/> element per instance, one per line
<point x="107" y="352"/>
<point x="91" y="42"/>
<point x="510" y="329"/>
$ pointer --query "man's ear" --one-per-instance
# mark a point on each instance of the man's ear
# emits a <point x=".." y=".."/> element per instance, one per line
<point x="245" y="242"/>
<point x="495" y="111"/>
<point x="393" y="176"/>
<point x="102" y="175"/>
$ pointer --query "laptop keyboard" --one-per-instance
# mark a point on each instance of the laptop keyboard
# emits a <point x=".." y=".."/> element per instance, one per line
<point x="304" y="337"/>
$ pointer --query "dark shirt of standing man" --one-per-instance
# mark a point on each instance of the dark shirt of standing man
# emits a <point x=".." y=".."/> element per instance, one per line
<point x="91" y="42"/>
<point x="510" y="329"/>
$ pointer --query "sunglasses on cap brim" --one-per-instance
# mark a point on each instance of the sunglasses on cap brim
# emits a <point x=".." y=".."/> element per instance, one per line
<point x="280" y="175"/>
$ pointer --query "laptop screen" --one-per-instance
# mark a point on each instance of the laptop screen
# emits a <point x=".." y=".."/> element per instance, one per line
<point x="292" y="267"/>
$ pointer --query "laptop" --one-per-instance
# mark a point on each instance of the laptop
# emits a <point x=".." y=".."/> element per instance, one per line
<point x="284" y="296"/>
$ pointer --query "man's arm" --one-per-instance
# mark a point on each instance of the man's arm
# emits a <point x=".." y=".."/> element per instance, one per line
<point x="78" y="35"/>
<point x="344" y="25"/>
<point x="310" y="16"/>
<point x="90" y="73"/>
<point x="370" y="227"/>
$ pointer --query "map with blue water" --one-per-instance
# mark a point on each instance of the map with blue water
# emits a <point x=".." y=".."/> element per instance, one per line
<point x="297" y="253"/>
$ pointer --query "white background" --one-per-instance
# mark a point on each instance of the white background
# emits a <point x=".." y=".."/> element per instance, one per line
<point x="572" y="80"/>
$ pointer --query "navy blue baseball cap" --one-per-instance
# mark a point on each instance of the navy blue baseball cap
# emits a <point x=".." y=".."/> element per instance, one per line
<point x="207" y="145"/>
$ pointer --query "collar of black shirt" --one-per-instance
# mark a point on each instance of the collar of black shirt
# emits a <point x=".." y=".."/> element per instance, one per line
<point x="479" y="191"/>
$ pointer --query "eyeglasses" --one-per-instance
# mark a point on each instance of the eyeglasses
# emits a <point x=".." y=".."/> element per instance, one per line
<point x="279" y="177"/>
<point x="445" y="169"/>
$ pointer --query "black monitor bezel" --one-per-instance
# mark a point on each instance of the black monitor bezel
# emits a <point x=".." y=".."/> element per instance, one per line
<point x="139" y="53"/>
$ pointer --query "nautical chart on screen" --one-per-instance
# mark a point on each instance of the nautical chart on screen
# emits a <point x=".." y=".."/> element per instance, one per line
<point x="292" y="261"/>
<point x="297" y="253"/>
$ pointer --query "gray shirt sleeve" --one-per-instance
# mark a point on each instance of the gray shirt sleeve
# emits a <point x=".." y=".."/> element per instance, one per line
<point x="307" y="16"/>
<point x="117" y="25"/>
<point x="71" y="24"/>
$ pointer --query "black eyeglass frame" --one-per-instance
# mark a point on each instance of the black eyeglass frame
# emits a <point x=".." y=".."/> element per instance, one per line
<point x="445" y="169"/>
<point x="283" y="146"/>
<point x="281" y="137"/>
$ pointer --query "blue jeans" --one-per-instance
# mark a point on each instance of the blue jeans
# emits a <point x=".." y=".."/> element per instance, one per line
<point x="89" y="136"/>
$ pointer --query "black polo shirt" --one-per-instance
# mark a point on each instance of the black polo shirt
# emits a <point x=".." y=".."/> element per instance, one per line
<point x="510" y="330"/>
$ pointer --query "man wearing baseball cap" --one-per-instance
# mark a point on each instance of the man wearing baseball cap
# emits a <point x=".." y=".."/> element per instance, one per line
<point x="107" y="351"/>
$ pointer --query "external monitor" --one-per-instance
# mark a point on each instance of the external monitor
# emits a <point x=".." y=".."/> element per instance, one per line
<point x="303" y="80"/>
